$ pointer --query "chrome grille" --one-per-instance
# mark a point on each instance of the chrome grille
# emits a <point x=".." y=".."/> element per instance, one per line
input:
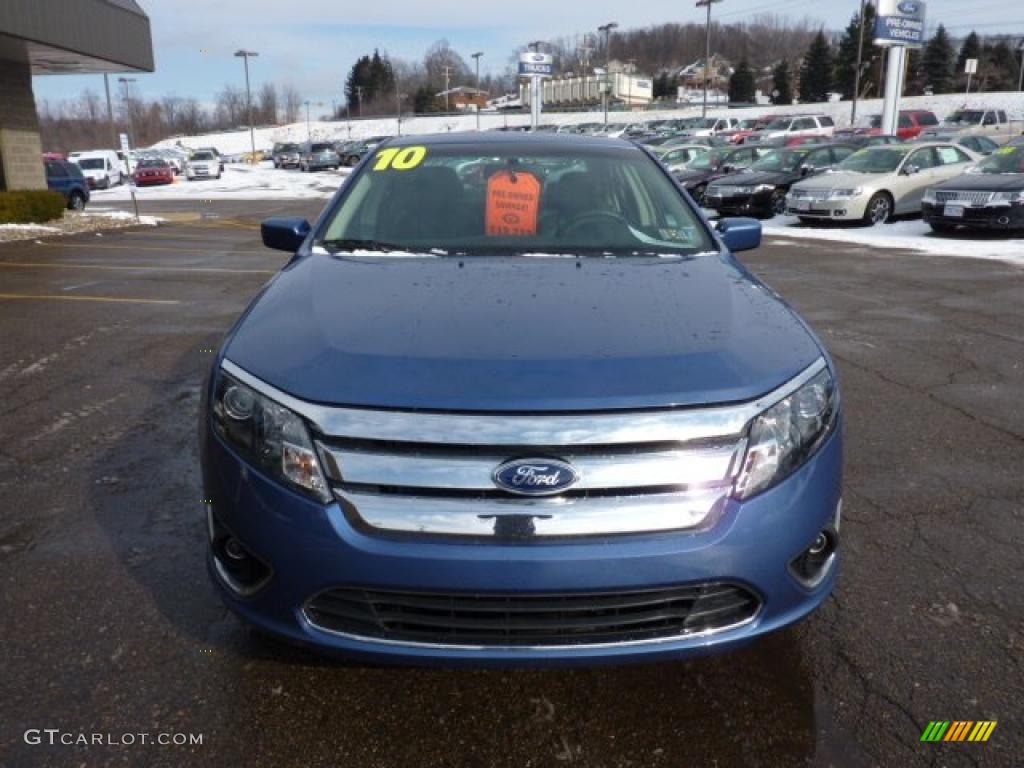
<point x="532" y="620"/>
<point x="431" y="473"/>
<point x="809" y="194"/>
<point x="962" y="196"/>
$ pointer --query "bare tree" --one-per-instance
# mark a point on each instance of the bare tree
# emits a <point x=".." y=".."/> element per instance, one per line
<point x="267" y="113"/>
<point x="292" y="102"/>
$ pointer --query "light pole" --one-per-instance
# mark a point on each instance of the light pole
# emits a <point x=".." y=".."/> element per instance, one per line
<point x="607" y="29"/>
<point x="309" y="133"/>
<point x="110" y="111"/>
<point x="476" y="58"/>
<point x="126" y="82"/>
<point x="245" y="55"/>
<point x="856" y="74"/>
<point x="707" y="51"/>
<point x="1020" y="77"/>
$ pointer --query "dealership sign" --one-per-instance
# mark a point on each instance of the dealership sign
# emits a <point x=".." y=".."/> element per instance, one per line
<point x="533" y="64"/>
<point x="900" y="23"/>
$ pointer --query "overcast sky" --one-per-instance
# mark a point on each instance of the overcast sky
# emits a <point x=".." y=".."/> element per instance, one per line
<point x="312" y="43"/>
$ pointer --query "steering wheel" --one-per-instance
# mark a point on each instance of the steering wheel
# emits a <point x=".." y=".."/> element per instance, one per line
<point x="591" y="218"/>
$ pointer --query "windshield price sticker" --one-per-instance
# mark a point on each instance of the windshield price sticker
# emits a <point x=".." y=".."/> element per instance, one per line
<point x="399" y="158"/>
<point x="513" y="204"/>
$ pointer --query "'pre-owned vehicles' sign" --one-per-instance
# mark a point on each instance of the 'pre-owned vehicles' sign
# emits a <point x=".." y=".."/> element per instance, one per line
<point x="900" y="22"/>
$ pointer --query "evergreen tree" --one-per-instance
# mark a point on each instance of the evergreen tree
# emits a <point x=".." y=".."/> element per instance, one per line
<point x="846" y="56"/>
<point x="937" y="62"/>
<point x="816" y="70"/>
<point x="997" y="69"/>
<point x="971" y="49"/>
<point x="742" y="85"/>
<point x="916" y="78"/>
<point x="373" y="77"/>
<point x="782" y="89"/>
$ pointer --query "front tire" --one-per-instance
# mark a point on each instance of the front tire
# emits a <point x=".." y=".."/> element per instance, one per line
<point x="76" y="201"/>
<point x="878" y="210"/>
<point x="698" y="194"/>
<point x="778" y="202"/>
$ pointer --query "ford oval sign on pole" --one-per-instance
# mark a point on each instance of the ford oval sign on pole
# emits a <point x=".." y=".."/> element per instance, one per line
<point x="536" y="66"/>
<point x="899" y="24"/>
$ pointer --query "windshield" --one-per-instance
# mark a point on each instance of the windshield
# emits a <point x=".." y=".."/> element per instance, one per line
<point x="321" y="148"/>
<point x="707" y="161"/>
<point x="288" y="148"/>
<point x="967" y="116"/>
<point x="152" y="162"/>
<point x="1003" y="160"/>
<point x="90" y="163"/>
<point x="203" y="156"/>
<point x="884" y="159"/>
<point x="481" y="199"/>
<point x="779" y="160"/>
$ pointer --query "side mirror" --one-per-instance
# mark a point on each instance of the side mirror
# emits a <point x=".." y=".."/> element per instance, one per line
<point x="284" y="233"/>
<point x="739" y="234"/>
<point x="910" y="170"/>
<point x="807" y="170"/>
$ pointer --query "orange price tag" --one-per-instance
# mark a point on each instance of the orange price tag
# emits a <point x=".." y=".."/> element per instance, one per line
<point x="513" y="204"/>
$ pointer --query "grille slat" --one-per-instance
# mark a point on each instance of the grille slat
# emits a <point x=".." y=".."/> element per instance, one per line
<point x="457" y="619"/>
<point x="962" y="196"/>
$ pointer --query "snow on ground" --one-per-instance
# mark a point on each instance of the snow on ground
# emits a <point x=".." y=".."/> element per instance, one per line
<point x="238" y="182"/>
<point x="232" y="142"/>
<point x="27" y="228"/>
<point x="119" y="215"/>
<point x="913" y="235"/>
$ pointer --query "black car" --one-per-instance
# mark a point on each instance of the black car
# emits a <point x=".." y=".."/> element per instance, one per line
<point x="990" y="196"/>
<point x="360" y="149"/>
<point x="720" y="161"/>
<point x="760" y="190"/>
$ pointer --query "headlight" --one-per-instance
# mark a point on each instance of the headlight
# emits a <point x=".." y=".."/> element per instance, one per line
<point x="763" y="188"/>
<point x="929" y="196"/>
<point x="1009" y="197"/>
<point x="271" y="436"/>
<point x="785" y="435"/>
<point x="844" y="193"/>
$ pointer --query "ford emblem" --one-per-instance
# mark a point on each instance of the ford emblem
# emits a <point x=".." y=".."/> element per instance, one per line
<point x="535" y="477"/>
<point x="908" y="7"/>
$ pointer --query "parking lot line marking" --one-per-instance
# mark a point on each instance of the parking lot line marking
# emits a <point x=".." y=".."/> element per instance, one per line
<point x="108" y="299"/>
<point x="133" y="268"/>
<point x="111" y="246"/>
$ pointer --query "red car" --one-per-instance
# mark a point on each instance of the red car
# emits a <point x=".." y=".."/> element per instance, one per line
<point x="153" y="170"/>
<point x="746" y="128"/>
<point x="910" y="124"/>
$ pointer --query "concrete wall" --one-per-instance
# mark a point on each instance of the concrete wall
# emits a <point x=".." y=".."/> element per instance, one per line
<point x="21" y="165"/>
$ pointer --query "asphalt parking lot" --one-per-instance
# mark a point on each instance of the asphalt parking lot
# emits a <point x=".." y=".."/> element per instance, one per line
<point x="110" y="624"/>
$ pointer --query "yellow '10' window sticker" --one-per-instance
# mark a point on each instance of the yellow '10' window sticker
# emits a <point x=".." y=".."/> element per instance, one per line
<point x="1006" y="150"/>
<point x="399" y="158"/>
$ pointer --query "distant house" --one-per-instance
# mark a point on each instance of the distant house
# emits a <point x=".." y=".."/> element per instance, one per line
<point x="692" y="75"/>
<point x="465" y="98"/>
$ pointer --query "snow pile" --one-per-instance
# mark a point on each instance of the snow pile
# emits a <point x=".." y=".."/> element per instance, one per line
<point x="238" y="182"/>
<point x="912" y="235"/>
<point x="27" y="228"/>
<point x="119" y="215"/>
<point x="232" y="142"/>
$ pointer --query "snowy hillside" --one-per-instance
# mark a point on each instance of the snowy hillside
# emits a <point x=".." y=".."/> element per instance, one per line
<point x="238" y="141"/>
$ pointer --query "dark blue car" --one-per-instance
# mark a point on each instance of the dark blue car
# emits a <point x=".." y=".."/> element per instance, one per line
<point x="67" y="178"/>
<point x="514" y="401"/>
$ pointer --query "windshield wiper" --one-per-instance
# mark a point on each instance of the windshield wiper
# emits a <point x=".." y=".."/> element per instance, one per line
<point x="354" y="244"/>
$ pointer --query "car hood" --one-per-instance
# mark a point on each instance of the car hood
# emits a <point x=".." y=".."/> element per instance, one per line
<point x="988" y="182"/>
<point x="839" y="179"/>
<point x="520" y="334"/>
<point x="690" y="174"/>
<point x="753" y="178"/>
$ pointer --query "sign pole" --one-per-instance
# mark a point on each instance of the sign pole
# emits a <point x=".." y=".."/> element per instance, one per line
<point x="899" y="25"/>
<point x="126" y="148"/>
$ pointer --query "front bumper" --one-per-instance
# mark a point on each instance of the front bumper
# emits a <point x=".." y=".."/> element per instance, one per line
<point x="757" y="204"/>
<point x="311" y="547"/>
<point x="995" y="217"/>
<point x="839" y="209"/>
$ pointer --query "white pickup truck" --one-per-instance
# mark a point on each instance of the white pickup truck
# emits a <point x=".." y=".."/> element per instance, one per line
<point x="993" y="123"/>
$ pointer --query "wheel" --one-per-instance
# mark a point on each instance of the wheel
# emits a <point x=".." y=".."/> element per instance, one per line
<point x="76" y="201"/>
<point x="698" y="194"/>
<point x="879" y="209"/>
<point x="778" y="202"/>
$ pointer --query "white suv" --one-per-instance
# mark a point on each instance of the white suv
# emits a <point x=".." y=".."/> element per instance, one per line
<point x="789" y="126"/>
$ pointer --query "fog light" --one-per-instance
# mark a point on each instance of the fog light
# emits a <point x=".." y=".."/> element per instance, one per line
<point x="820" y="545"/>
<point x="234" y="550"/>
<point x="812" y="565"/>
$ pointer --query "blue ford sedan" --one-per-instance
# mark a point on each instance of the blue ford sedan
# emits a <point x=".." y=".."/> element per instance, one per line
<point x="515" y="401"/>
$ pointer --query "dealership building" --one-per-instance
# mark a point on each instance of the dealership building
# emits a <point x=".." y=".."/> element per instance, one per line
<point x="58" y="37"/>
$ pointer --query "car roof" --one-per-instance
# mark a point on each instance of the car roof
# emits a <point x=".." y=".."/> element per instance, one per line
<point x="517" y="138"/>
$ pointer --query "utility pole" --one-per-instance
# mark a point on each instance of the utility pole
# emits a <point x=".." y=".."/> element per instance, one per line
<point x="245" y="56"/>
<point x="447" y="87"/>
<point x="605" y="91"/>
<point x="707" y="51"/>
<point x="856" y="74"/>
<point x="110" y="112"/>
<point x="476" y="58"/>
